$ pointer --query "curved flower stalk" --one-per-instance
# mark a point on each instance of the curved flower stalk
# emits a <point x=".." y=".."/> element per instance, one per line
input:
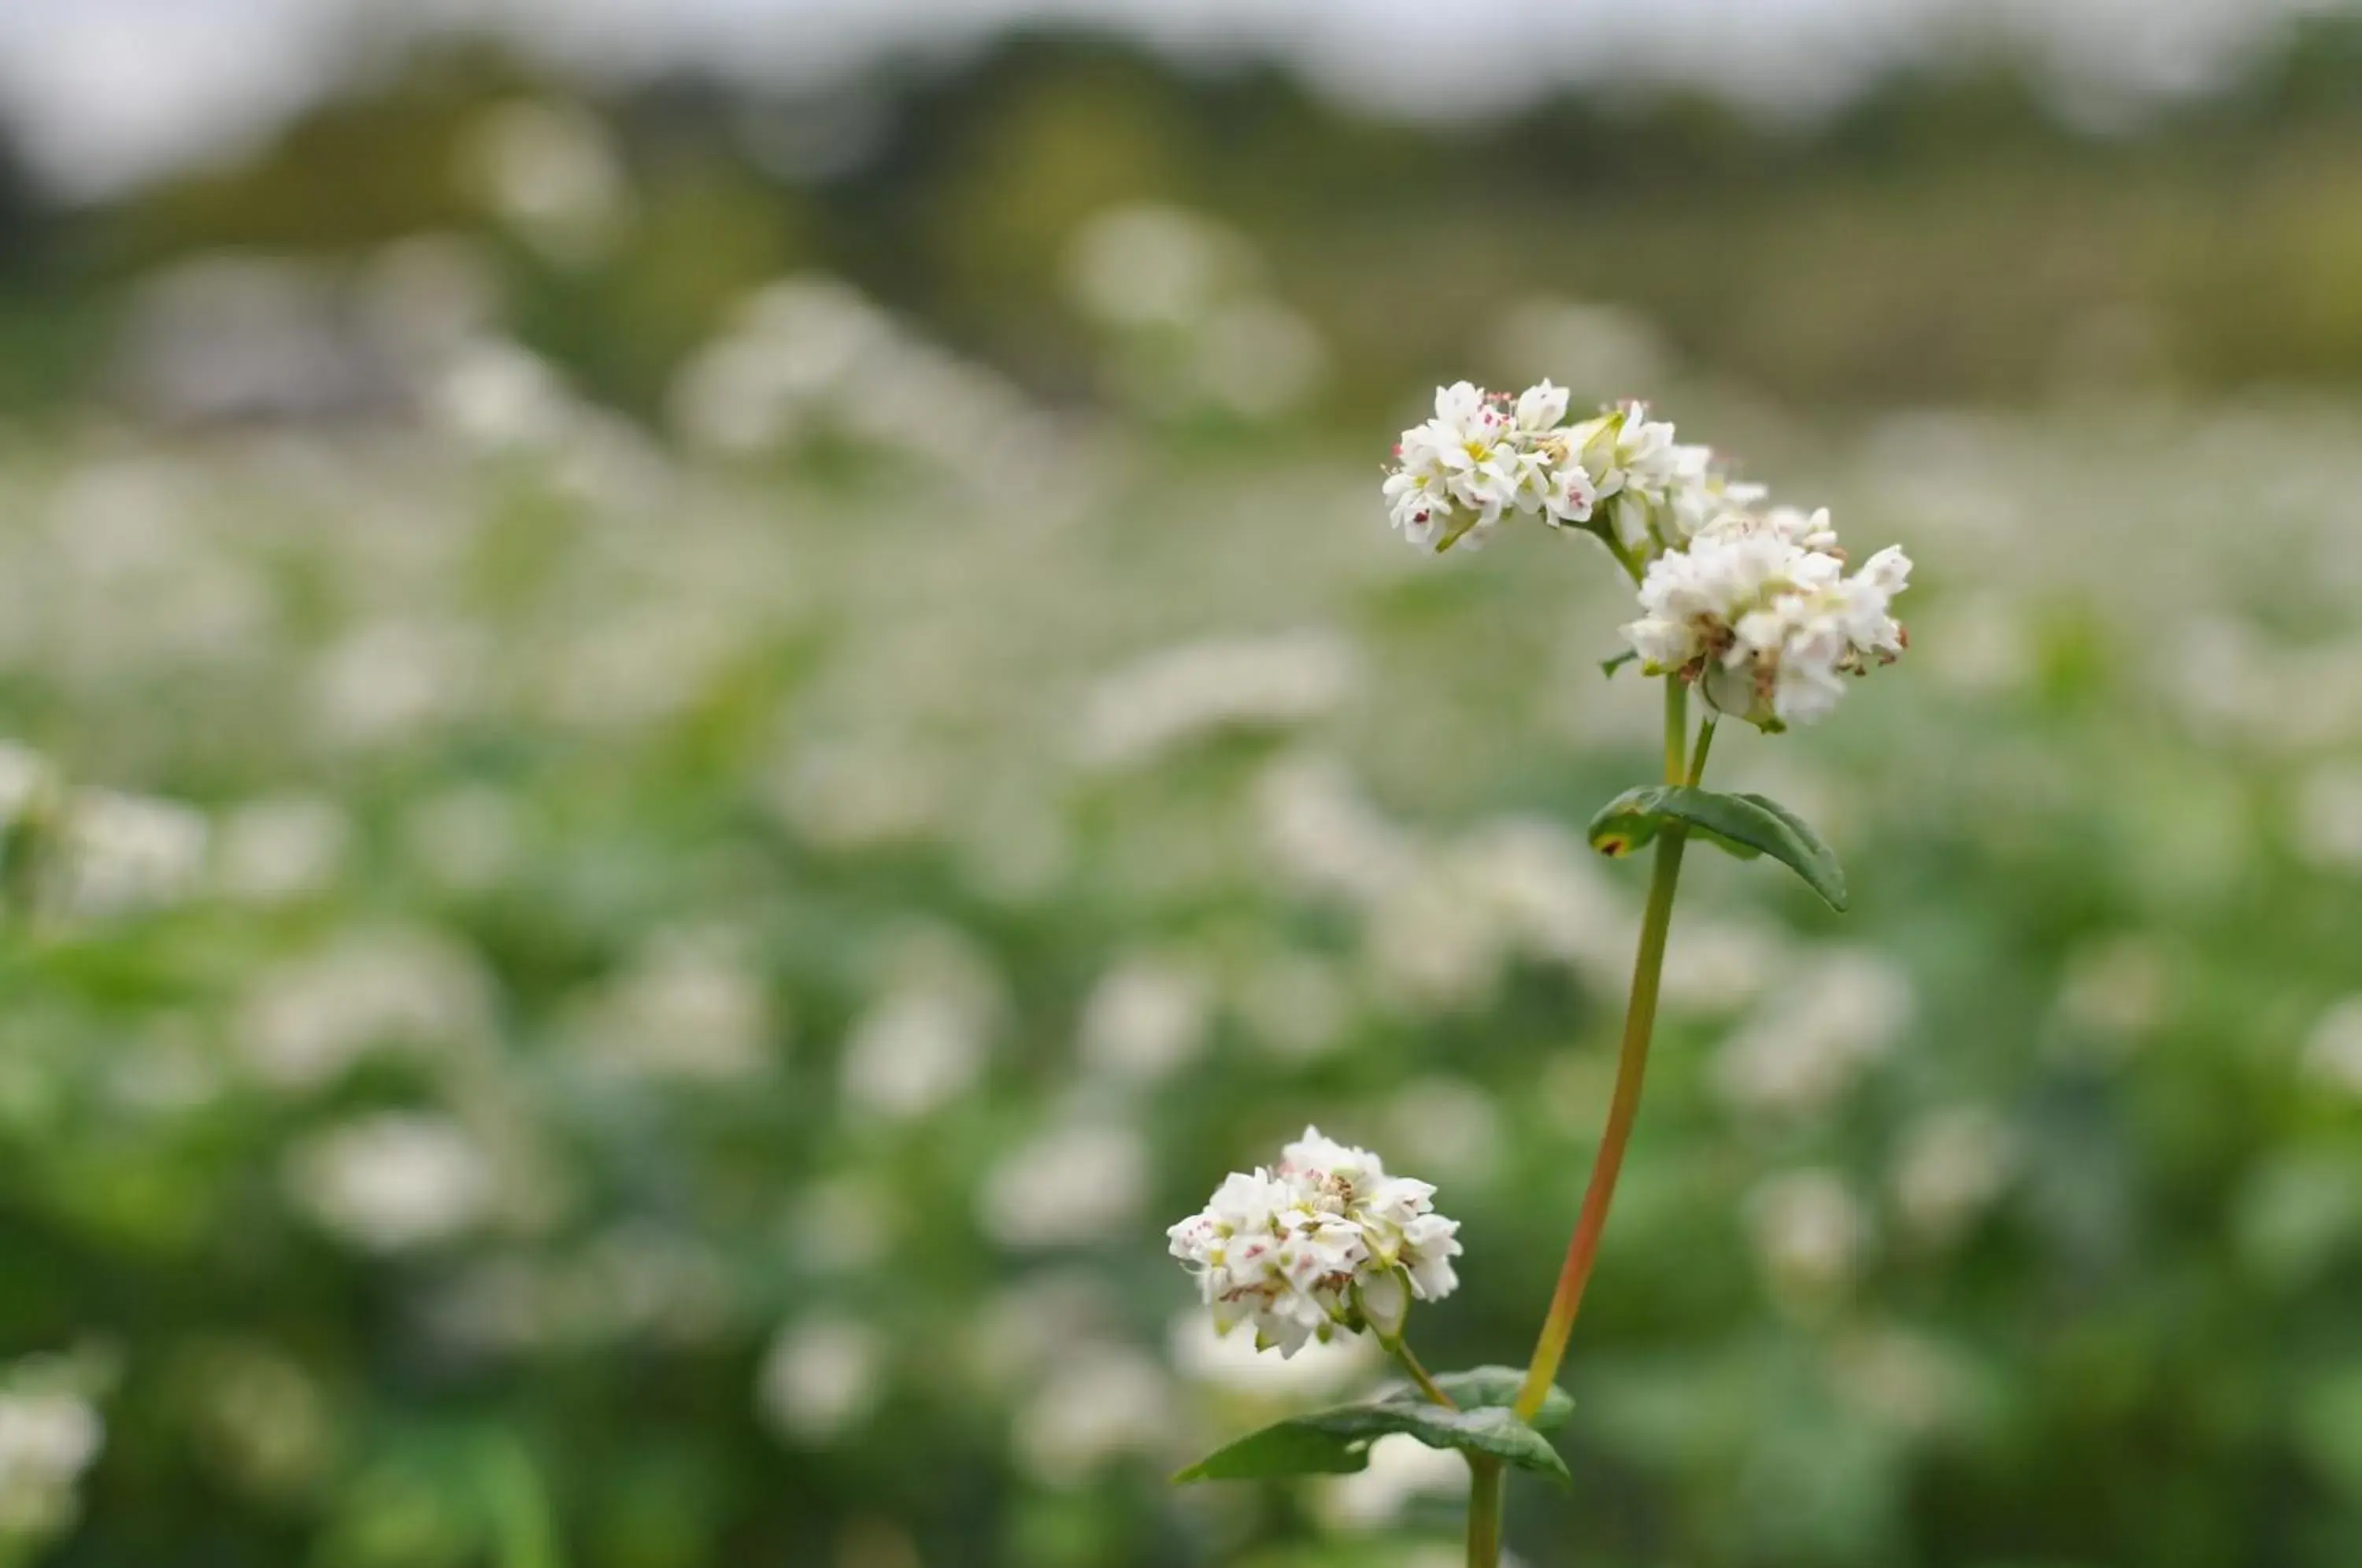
<point x="1755" y="608"/>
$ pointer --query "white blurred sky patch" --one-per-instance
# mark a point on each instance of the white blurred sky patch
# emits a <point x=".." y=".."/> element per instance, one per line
<point x="105" y="94"/>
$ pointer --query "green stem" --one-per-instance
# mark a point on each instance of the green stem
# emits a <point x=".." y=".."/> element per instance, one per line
<point x="1631" y="1065"/>
<point x="524" y="1535"/>
<point x="1483" y="1512"/>
<point x="1705" y="745"/>
<point x="1677" y="730"/>
<point x="1426" y="1385"/>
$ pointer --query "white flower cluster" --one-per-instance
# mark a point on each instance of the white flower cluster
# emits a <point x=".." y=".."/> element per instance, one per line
<point x="1751" y="603"/>
<point x="1757" y="610"/>
<point x="1324" y="1241"/>
<point x="1486" y="456"/>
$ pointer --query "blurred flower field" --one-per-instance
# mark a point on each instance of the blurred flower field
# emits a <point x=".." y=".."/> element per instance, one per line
<point x="576" y="995"/>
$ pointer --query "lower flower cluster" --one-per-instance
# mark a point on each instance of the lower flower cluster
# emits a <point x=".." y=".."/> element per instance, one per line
<point x="1326" y="1240"/>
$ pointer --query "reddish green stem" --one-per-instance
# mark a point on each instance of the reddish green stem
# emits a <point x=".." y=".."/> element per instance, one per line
<point x="1631" y="1064"/>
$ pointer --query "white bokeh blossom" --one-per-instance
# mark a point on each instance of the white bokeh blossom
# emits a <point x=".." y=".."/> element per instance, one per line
<point x="49" y="1437"/>
<point x="394" y="1181"/>
<point x="1323" y="1242"/>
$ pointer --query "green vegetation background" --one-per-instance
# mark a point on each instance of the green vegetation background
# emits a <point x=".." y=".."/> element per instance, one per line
<point x="2097" y="877"/>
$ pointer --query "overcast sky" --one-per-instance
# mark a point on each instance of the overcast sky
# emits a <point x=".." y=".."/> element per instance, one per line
<point x="105" y="92"/>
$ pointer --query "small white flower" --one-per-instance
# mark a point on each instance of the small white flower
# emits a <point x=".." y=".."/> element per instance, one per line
<point x="1541" y="406"/>
<point x="1635" y="465"/>
<point x="1571" y="493"/>
<point x="1416" y="501"/>
<point x="1475" y="439"/>
<point x="1701" y="494"/>
<point x="1810" y="531"/>
<point x="1325" y="1240"/>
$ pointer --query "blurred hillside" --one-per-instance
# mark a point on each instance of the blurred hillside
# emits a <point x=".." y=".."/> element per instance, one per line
<point x="1951" y="238"/>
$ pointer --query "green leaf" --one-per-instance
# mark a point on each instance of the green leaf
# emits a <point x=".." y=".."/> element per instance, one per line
<point x="1301" y="1445"/>
<point x="1484" y="1387"/>
<point x="1608" y="666"/>
<point x="1337" y="1442"/>
<point x="1745" y="825"/>
<point x="1633" y="819"/>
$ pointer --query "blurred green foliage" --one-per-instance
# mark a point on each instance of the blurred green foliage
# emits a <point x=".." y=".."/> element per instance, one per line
<point x="2010" y="1219"/>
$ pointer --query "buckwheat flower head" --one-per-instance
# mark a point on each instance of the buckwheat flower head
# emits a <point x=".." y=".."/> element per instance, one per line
<point x="1483" y="457"/>
<point x="1487" y="456"/>
<point x="1324" y="1242"/>
<point x="1759" y="611"/>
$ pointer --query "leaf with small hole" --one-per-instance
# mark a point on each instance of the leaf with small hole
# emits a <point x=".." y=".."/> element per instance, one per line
<point x="1744" y="825"/>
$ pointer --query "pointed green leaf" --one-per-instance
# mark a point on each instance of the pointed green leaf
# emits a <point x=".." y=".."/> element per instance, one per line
<point x="1482" y="1386"/>
<point x="1608" y="666"/>
<point x="1633" y="819"/>
<point x="1745" y="825"/>
<point x="1490" y="1429"/>
<point x="1302" y="1445"/>
<point x="1336" y="1443"/>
